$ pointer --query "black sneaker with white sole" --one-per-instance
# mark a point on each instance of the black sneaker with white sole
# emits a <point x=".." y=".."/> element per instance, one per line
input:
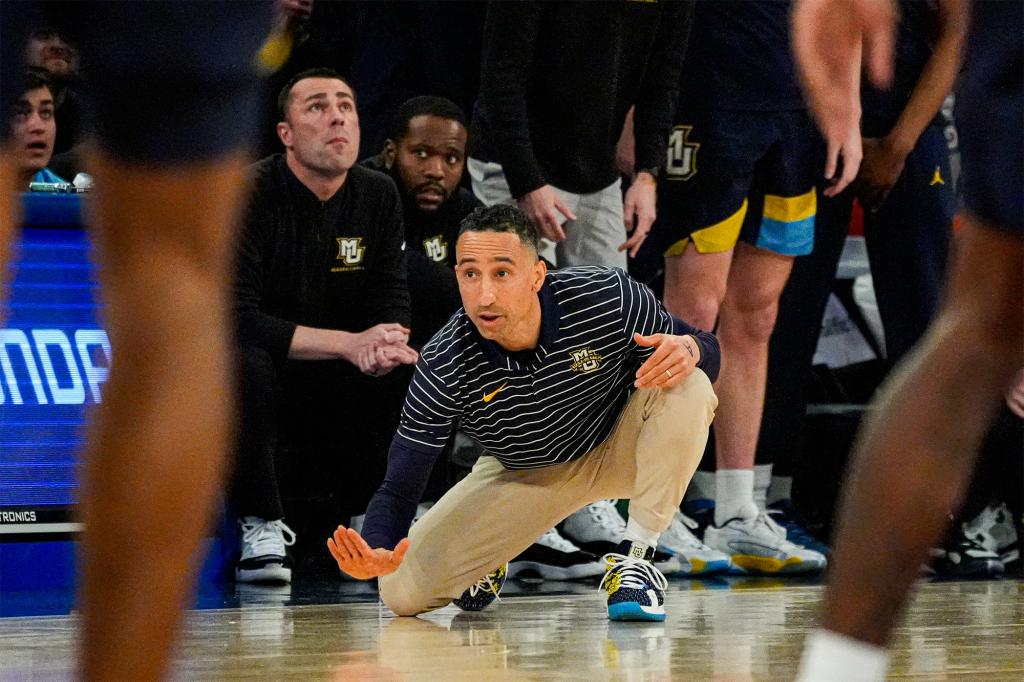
<point x="264" y="556"/>
<point x="963" y="557"/>
<point x="553" y="557"/>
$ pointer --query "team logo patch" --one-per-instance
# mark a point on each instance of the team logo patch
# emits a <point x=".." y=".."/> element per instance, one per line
<point x="681" y="162"/>
<point x="584" y="360"/>
<point x="436" y="248"/>
<point x="350" y="252"/>
<point x="937" y="178"/>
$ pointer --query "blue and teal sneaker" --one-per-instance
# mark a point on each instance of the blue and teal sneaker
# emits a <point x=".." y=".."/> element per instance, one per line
<point x="636" y="589"/>
<point x="478" y="596"/>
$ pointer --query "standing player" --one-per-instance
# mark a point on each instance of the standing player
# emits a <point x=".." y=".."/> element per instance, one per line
<point x="579" y="386"/>
<point x="905" y="184"/>
<point x="737" y="204"/>
<point x="933" y="413"/>
<point x="173" y="87"/>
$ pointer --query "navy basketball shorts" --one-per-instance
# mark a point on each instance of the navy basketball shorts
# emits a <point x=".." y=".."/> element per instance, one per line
<point x="990" y="116"/>
<point x="718" y="160"/>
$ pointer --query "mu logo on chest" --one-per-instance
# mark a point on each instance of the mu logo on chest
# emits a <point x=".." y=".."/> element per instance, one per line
<point x="584" y="360"/>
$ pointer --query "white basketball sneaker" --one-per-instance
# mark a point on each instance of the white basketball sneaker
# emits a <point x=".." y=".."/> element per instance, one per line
<point x="759" y="545"/>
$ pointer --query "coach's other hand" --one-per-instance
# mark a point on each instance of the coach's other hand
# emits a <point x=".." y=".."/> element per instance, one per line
<point x="358" y="560"/>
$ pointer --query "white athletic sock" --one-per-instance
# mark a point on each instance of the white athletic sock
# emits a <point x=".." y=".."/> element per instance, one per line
<point x="734" y="494"/>
<point x="702" y="486"/>
<point x="637" y="534"/>
<point x="836" y="658"/>
<point x="780" y="489"/>
<point x="762" y="479"/>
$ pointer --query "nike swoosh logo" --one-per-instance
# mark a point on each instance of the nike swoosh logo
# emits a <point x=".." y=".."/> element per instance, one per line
<point x="488" y="397"/>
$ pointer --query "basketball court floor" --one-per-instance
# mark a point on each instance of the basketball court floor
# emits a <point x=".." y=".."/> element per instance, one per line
<point x="731" y="628"/>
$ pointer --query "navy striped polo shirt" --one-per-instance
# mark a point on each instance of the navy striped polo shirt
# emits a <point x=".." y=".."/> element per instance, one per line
<point x="547" y="405"/>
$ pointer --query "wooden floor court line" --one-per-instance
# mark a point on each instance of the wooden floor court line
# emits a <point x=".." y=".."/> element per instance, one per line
<point x="953" y="631"/>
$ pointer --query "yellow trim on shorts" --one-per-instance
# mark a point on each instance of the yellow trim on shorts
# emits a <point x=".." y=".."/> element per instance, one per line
<point x="714" y="239"/>
<point x="790" y="209"/>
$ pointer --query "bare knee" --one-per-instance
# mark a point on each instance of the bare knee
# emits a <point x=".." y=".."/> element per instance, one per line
<point x="753" y="320"/>
<point x="695" y="285"/>
<point x="697" y="305"/>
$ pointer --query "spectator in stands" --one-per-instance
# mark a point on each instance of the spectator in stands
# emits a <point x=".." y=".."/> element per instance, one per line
<point x="550" y="111"/>
<point x="735" y="208"/>
<point x="425" y="154"/>
<point x="321" y="303"/>
<point x="50" y="50"/>
<point x="32" y="130"/>
<point x="905" y="185"/>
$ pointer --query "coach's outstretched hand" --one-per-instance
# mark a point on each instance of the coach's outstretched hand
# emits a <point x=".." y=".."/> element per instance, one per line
<point x="357" y="559"/>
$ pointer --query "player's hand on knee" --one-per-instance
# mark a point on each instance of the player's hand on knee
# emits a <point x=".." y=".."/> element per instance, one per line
<point x="674" y="358"/>
<point x="359" y="560"/>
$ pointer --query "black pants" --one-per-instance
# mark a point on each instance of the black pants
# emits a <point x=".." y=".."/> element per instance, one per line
<point x="311" y="434"/>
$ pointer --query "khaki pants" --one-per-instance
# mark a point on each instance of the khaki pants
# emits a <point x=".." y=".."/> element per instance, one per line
<point x="494" y="514"/>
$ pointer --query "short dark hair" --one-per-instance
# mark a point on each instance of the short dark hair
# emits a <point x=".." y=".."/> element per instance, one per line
<point x="31" y="78"/>
<point x="502" y="218"/>
<point x="424" y="105"/>
<point x="318" y="72"/>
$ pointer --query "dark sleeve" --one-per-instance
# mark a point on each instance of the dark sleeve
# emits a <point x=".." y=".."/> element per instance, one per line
<point x="656" y="100"/>
<point x="710" y="353"/>
<point x="510" y="35"/>
<point x="255" y="327"/>
<point x="387" y="293"/>
<point x="427" y="420"/>
<point x="393" y="506"/>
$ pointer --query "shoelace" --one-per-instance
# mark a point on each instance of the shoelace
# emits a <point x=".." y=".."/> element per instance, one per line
<point x="633" y="572"/>
<point x="485" y="584"/>
<point x="554" y="540"/>
<point x="766" y="518"/>
<point x="763" y="518"/>
<point x="972" y="547"/>
<point x="607" y="516"/>
<point x="267" y="537"/>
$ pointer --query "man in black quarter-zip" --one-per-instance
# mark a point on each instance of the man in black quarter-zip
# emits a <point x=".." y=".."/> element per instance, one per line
<point x="321" y="303"/>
